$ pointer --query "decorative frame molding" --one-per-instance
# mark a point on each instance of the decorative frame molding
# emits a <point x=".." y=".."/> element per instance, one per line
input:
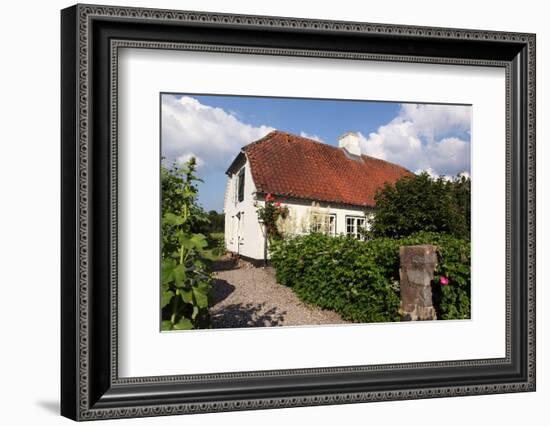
<point x="91" y="37"/>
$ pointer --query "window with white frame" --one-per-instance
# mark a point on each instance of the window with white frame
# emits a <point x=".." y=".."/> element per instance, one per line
<point x="355" y="226"/>
<point x="325" y="223"/>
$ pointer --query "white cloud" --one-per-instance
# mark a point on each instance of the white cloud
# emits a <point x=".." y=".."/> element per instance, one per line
<point x="314" y="137"/>
<point x="432" y="120"/>
<point x="212" y="135"/>
<point x="449" y="155"/>
<point x="423" y="137"/>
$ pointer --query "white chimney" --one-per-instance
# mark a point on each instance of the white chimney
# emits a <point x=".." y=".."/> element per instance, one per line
<point x="350" y="142"/>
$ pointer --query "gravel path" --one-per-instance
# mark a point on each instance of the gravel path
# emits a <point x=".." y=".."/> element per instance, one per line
<point x="246" y="296"/>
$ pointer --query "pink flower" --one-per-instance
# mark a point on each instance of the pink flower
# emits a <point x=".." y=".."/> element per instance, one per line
<point x="269" y="197"/>
<point x="444" y="280"/>
<point x="277" y="204"/>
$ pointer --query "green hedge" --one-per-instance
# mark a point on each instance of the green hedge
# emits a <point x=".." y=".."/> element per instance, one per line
<point x="360" y="279"/>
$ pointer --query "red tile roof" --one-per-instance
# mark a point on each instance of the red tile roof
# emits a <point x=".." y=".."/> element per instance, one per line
<point x="288" y="165"/>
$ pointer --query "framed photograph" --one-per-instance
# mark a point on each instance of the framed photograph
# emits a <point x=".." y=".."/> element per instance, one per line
<point x="263" y="212"/>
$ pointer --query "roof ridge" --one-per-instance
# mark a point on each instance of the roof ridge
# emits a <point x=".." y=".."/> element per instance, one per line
<point x="285" y="133"/>
<point x="385" y="161"/>
<point x="262" y="139"/>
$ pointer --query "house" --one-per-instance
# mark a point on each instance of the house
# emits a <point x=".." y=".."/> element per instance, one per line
<point x="326" y="188"/>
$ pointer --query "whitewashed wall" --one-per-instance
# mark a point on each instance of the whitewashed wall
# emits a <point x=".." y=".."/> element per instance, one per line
<point x="243" y="236"/>
<point x="298" y="221"/>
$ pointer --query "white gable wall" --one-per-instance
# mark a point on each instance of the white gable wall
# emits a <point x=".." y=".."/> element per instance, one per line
<point x="243" y="233"/>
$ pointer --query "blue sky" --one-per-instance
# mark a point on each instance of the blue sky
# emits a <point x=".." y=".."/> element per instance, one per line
<point x="434" y="138"/>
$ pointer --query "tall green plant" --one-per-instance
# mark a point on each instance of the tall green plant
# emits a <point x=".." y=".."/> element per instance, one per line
<point x="185" y="283"/>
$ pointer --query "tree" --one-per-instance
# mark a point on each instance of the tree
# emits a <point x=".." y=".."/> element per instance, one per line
<point x="217" y="221"/>
<point x="420" y="203"/>
<point x="185" y="281"/>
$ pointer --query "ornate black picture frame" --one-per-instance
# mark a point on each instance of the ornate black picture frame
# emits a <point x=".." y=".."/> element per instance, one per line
<point x="91" y="37"/>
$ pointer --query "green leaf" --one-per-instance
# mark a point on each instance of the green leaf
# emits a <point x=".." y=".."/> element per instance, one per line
<point x="201" y="295"/>
<point x="186" y="295"/>
<point x="172" y="219"/>
<point x="195" y="312"/>
<point x="193" y="241"/>
<point x="166" y="298"/>
<point x="179" y="275"/>
<point x="183" y="324"/>
<point x="199" y="241"/>
<point x="166" y="325"/>
<point x="167" y="271"/>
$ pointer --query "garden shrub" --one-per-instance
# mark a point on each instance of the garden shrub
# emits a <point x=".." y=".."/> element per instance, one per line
<point x="360" y="279"/>
<point x="419" y="203"/>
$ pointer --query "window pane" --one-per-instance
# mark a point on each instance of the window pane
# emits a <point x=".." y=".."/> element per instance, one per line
<point x="350" y="226"/>
<point x="354" y="227"/>
<point x="323" y="223"/>
<point x="241" y="185"/>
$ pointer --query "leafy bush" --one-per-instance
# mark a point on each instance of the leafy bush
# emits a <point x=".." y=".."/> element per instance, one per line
<point x="360" y="279"/>
<point x="185" y="283"/>
<point x="419" y="203"/>
<point x="452" y="300"/>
